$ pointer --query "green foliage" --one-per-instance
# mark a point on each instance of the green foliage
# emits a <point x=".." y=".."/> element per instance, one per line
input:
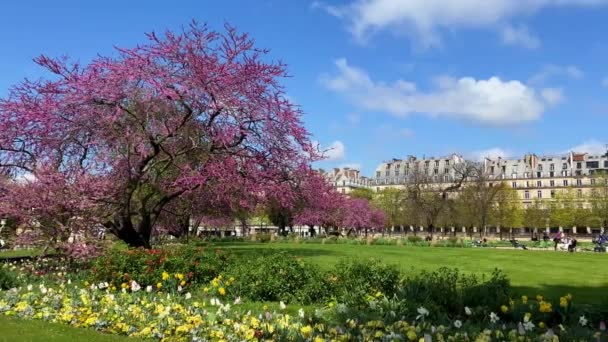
<point x="363" y="193"/>
<point x="198" y="264"/>
<point x="352" y="281"/>
<point x="275" y="277"/>
<point x="447" y="292"/>
<point x="8" y="279"/>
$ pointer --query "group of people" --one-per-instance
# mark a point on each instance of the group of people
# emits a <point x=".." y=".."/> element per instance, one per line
<point x="562" y="241"/>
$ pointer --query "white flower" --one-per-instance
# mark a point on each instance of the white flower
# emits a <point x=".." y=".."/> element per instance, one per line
<point x="103" y="285"/>
<point x="135" y="286"/>
<point x="582" y="320"/>
<point x="457" y="324"/>
<point x="149" y="288"/>
<point x="179" y="288"/>
<point x="214" y="302"/>
<point x="528" y="326"/>
<point x="237" y="301"/>
<point x="124" y="290"/>
<point x="43" y="290"/>
<point x="282" y="305"/>
<point x="422" y="312"/>
<point x="494" y="317"/>
<point x="30" y="287"/>
<point x="301" y="313"/>
<point x="520" y="329"/>
<point x="188" y="295"/>
<point x="341" y="308"/>
<point x="468" y="311"/>
<point x="69" y="281"/>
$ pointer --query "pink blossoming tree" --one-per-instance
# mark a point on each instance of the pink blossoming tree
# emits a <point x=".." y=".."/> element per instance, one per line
<point x="196" y="119"/>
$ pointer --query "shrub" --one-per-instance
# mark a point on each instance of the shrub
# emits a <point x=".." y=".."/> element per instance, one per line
<point x="198" y="264"/>
<point x="353" y="281"/>
<point x="413" y="238"/>
<point x="276" y="277"/>
<point x="445" y="292"/>
<point x="8" y="279"/>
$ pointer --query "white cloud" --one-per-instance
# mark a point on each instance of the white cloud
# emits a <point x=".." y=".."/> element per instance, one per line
<point x="335" y="151"/>
<point x="491" y="153"/>
<point x="423" y="19"/>
<point x="591" y="147"/>
<point x="490" y="101"/>
<point x="519" y="36"/>
<point x="550" y="71"/>
<point x="552" y="96"/>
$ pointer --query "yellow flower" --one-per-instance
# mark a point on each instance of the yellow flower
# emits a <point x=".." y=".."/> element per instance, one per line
<point x="179" y="276"/>
<point x="411" y="335"/>
<point x="221" y="291"/>
<point x="545" y="307"/>
<point x="159" y="285"/>
<point x="563" y="302"/>
<point x="541" y="325"/>
<point x="165" y="275"/>
<point x="206" y="289"/>
<point x="306" y="331"/>
<point x="569" y="297"/>
<point x="524" y="299"/>
<point x="504" y="309"/>
<point x="318" y="339"/>
<point x="539" y="298"/>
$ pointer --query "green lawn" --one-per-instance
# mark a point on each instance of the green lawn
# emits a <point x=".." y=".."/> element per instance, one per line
<point x="14" y="329"/>
<point x="585" y="275"/>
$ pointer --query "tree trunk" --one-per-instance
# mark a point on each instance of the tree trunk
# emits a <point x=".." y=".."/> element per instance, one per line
<point x="122" y="227"/>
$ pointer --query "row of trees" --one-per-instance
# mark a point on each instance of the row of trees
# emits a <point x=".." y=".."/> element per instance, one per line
<point x="481" y="202"/>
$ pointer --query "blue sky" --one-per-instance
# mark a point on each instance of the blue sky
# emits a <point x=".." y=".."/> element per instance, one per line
<point x="379" y="79"/>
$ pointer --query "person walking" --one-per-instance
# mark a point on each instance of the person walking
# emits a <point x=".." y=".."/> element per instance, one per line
<point x="557" y="239"/>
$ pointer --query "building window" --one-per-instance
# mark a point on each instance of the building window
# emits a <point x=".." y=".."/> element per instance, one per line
<point x="396" y="173"/>
<point x="539" y="194"/>
<point x="514" y="184"/>
<point x="564" y="166"/>
<point x="446" y="170"/>
<point x="436" y="171"/>
<point x="552" y="183"/>
<point x="343" y="190"/>
<point x="593" y="164"/>
<point x="539" y="174"/>
<point x="552" y="167"/>
<point x="343" y="183"/>
<point x="436" y="163"/>
<point x="551" y="174"/>
<point x="579" y="182"/>
<point x="527" y="194"/>
<point x="592" y="181"/>
<point x="492" y="169"/>
<point x="579" y="165"/>
<point x="565" y="182"/>
<point x="447" y="162"/>
<point x="378" y="174"/>
<point x="606" y="164"/>
<point x="526" y="174"/>
<point x="387" y="173"/>
<point x="527" y="184"/>
<point x="552" y="193"/>
<point x="539" y="184"/>
<point x="446" y="178"/>
<point x="565" y="173"/>
<point x="406" y="172"/>
<point x="514" y="175"/>
<point x="539" y="167"/>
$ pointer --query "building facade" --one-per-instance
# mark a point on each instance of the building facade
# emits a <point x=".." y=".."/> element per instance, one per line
<point x="533" y="177"/>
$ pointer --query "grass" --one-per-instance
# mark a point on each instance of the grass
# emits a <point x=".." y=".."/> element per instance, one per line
<point x="550" y="273"/>
<point x="13" y="329"/>
<point x="19" y="253"/>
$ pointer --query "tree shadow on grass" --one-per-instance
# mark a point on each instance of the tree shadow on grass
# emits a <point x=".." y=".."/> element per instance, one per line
<point x="260" y="250"/>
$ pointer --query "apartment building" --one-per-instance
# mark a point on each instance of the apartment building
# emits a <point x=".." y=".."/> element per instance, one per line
<point x="346" y="179"/>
